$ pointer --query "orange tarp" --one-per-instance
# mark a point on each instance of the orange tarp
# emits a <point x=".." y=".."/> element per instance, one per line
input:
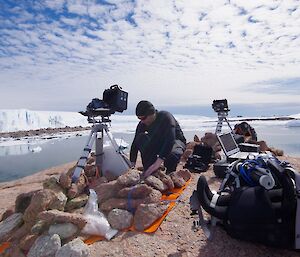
<point x="4" y="246"/>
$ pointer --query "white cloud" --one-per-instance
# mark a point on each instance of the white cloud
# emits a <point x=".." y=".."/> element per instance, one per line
<point x="173" y="52"/>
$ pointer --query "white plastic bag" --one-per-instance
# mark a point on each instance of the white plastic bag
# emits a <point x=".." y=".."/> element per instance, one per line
<point x="97" y="224"/>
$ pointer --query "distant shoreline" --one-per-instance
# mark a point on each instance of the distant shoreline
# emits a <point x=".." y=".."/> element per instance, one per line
<point x="42" y="131"/>
<point x="51" y="131"/>
<point x="263" y="119"/>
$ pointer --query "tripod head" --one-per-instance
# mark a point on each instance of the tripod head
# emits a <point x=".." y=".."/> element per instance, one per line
<point x="114" y="100"/>
<point x="100" y="115"/>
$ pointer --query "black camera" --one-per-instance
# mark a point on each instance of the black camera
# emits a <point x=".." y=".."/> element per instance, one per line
<point x="220" y="105"/>
<point x="114" y="100"/>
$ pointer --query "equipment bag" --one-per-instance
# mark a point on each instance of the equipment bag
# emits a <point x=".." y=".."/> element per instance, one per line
<point x="200" y="159"/>
<point x="255" y="209"/>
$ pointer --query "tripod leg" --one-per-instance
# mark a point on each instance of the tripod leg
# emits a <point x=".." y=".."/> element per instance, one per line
<point x="117" y="148"/>
<point x="84" y="156"/>
<point x="219" y="125"/>
<point x="99" y="151"/>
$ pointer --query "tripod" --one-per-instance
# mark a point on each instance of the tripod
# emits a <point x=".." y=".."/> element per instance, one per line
<point x="222" y="116"/>
<point x="97" y="135"/>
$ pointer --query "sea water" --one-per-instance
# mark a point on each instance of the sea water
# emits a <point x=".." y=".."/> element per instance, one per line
<point x="20" y="158"/>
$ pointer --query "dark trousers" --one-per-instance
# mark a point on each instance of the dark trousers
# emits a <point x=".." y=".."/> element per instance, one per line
<point x="149" y="149"/>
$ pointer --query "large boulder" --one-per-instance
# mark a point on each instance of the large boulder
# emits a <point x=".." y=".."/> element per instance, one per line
<point x="75" y="248"/>
<point x="10" y="225"/>
<point x="45" y="246"/>
<point x="137" y="191"/>
<point x="55" y="216"/>
<point x="180" y="177"/>
<point x="120" y="219"/>
<point x="23" y="200"/>
<point x="40" y="201"/>
<point x="156" y="183"/>
<point x="130" y="178"/>
<point x="166" y="179"/>
<point x="64" y="230"/>
<point x="130" y="204"/>
<point x="147" y="214"/>
<point x="107" y="190"/>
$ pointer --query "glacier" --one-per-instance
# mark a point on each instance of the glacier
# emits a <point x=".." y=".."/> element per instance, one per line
<point x="23" y="119"/>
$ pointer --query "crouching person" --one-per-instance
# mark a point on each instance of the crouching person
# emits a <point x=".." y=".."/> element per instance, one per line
<point x="158" y="138"/>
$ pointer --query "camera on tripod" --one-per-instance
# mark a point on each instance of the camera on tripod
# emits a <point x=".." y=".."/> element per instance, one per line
<point x="220" y="105"/>
<point x="114" y="100"/>
<point x="109" y="159"/>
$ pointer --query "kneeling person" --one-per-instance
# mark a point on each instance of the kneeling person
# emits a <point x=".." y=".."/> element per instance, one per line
<point x="158" y="137"/>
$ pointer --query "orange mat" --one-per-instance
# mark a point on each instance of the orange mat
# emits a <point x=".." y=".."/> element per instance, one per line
<point x="171" y="196"/>
<point x="4" y="246"/>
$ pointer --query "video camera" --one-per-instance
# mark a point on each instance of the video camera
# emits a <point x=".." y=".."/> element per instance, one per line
<point x="220" y="105"/>
<point x="114" y="100"/>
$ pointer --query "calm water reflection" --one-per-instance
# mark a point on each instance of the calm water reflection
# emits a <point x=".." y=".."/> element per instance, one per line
<point x="17" y="161"/>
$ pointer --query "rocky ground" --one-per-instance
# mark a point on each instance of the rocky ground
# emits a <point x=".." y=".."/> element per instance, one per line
<point x="175" y="236"/>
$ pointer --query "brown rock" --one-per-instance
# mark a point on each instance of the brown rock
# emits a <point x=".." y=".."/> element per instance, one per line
<point x="77" y="202"/>
<point x="209" y="139"/>
<point x="59" y="202"/>
<point x="130" y="204"/>
<point x="184" y="173"/>
<point x="73" y="191"/>
<point x="156" y="183"/>
<point x="27" y="241"/>
<point x="23" y="200"/>
<point x="130" y="178"/>
<point x="55" y="216"/>
<point x="119" y="203"/>
<point x="10" y="225"/>
<point x="153" y="197"/>
<point x="120" y="219"/>
<point x="65" y="181"/>
<point x="186" y="154"/>
<point x="40" y="201"/>
<point x="137" y="191"/>
<point x="166" y="179"/>
<point x="98" y="181"/>
<point x="107" y="190"/>
<point x="146" y="214"/>
<point x="52" y="183"/>
<point x="7" y="213"/>
<point x="20" y="232"/>
<point x="39" y="227"/>
<point x="178" y="181"/>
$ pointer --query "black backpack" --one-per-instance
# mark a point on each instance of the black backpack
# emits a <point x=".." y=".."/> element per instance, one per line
<point x="254" y="209"/>
<point x="200" y="159"/>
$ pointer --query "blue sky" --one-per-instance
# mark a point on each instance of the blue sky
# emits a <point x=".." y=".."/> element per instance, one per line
<point x="58" y="55"/>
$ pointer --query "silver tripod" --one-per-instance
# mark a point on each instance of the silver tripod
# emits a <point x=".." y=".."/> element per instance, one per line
<point x="97" y="135"/>
<point x="222" y="116"/>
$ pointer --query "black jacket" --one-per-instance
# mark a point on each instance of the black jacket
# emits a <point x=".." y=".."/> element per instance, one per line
<point x="165" y="129"/>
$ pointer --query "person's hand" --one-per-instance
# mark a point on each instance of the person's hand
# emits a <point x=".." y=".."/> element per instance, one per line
<point x="154" y="167"/>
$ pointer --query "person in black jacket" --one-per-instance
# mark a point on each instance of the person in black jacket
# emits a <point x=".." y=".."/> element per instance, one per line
<point x="158" y="137"/>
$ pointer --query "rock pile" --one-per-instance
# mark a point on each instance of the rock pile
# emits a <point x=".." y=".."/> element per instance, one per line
<point x="49" y="222"/>
<point x="131" y="200"/>
<point x="46" y="222"/>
